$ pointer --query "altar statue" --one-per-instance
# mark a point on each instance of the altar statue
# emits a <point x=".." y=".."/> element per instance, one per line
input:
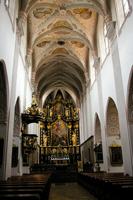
<point x="74" y="138"/>
<point x="51" y="112"/>
<point x="45" y="139"/>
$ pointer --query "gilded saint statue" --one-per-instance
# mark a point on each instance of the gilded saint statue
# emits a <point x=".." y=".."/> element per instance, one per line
<point x="51" y="112"/>
<point x="74" y="138"/>
<point x="45" y="139"/>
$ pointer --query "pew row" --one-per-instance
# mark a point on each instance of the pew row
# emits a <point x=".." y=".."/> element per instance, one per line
<point x="107" y="186"/>
<point x="35" y="187"/>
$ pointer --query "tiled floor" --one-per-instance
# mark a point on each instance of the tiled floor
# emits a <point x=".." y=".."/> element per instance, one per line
<point x="69" y="191"/>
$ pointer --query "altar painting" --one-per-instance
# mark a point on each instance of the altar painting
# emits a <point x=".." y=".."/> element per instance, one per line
<point x="59" y="133"/>
<point x="58" y="109"/>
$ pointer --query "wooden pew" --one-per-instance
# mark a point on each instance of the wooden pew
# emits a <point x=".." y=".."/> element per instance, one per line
<point x="35" y="187"/>
<point x="107" y="186"/>
<point x="20" y="196"/>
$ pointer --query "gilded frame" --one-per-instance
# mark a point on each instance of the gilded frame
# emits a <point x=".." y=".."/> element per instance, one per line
<point x="60" y="135"/>
<point x="115" y="154"/>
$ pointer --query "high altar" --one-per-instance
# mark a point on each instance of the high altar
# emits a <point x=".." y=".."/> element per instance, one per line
<point x="59" y="134"/>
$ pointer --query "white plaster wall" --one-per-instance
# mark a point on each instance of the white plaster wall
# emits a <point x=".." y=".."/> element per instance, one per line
<point x="125" y="44"/>
<point x="94" y="105"/>
<point x="108" y="84"/>
<point x="20" y="82"/>
<point x="7" y="42"/>
<point x="23" y="43"/>
<point x="92" y="69"/>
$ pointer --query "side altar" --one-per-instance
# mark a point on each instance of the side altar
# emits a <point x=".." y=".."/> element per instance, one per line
<point x="59" y="133"/>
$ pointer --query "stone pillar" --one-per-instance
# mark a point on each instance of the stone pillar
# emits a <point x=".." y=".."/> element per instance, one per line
<point x="108" y="20"/>
<point x="33" y="78"/>
<point x="23" y="16"/>
<point x="95" y="54"/>
<point x="83" y="86"/>
<point x="38" y="96"/>
<point x="96" y="64"/>
<point x="29" y="57"/>
<point x="87" y="79"/>
<point x="35" y="87"/>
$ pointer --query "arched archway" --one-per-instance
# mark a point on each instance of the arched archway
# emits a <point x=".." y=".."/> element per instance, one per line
<point x="16" y="147"/>
<point x="112" y="119"/>
<point x="130" y="99"/>
<point x="98" y="137"/>
<point x="3" y="115"/>
<point x="3" y="94"/>
<point x="130" y="107"/>
<point x="17" y="119"/>
<point x="113" y="137"/>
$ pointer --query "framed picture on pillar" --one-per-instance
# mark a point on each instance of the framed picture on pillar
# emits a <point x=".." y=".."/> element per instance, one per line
<point x="115" y="154"/>
<point x="14" y="156"/>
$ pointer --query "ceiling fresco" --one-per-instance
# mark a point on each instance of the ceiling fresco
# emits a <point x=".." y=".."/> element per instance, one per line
<point x="61" y="33"/>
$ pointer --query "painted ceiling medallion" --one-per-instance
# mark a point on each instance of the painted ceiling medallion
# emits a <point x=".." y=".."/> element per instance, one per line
<point x="42" y="11"/>
<point x="42" y="44"/>
<point x="78" y="44"/>
<point x="85" y="13"/>
<point x="62" y="23"/>
<point x="60" y="50"/>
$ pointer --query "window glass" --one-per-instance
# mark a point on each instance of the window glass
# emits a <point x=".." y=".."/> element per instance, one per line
<point x="125" y="6"/>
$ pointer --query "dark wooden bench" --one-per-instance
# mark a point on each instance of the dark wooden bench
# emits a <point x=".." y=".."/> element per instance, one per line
<point x="107" y="186"/>
<point x="20" y="196"/>
<point x="35" y="187"/>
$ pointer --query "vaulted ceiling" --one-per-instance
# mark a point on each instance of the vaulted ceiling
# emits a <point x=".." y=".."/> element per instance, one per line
<point x="60" y="35"/>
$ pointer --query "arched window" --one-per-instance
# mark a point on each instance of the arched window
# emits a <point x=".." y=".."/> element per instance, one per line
<point x="122" y="11"/>
<point x="7" y="3"/>
<point x="106" y="41"/>
<point x="125" y="7"/>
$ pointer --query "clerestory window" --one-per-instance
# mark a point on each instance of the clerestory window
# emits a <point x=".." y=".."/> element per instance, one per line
<point x="125" y="7"/>
<point x="106" y="41"/>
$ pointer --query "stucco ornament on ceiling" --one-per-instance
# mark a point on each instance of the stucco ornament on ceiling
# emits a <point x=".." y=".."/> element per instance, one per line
<point x="51" y="23"/>
<point x="62" y="23"/>
<point x="42" y="11"/>
<point x="60" y="50"/>
<point x="78" y="44"/>
<point x="83" y="12"/>
<point x="42" y="44"/>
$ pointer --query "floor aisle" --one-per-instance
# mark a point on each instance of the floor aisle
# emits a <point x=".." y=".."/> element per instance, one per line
<point x="69" y="191"/>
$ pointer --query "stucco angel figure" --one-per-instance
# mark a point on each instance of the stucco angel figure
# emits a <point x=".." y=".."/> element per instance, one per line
<point x="74" y="139"/>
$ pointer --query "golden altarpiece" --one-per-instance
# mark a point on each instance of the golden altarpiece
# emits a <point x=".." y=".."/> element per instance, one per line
<point x="59" y="134"/>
